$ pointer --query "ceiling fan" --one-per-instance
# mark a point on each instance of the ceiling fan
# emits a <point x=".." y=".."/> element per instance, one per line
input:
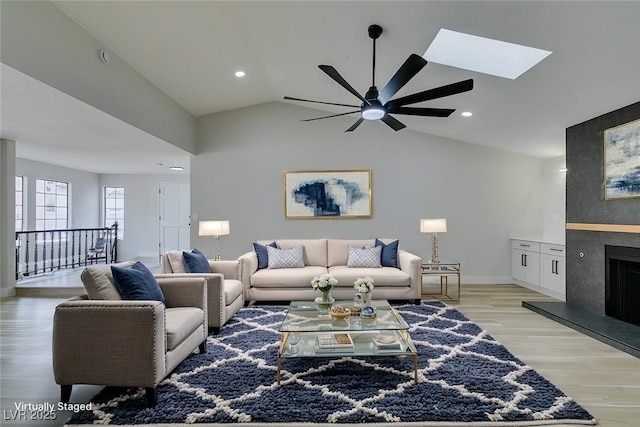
<point x="379" y="105"/>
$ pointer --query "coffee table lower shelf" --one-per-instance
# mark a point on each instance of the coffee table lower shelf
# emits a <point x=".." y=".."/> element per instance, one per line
<point x="304" y="344"/>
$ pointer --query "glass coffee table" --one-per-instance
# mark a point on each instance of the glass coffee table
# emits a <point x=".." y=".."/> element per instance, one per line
<point x="305" y="332"/>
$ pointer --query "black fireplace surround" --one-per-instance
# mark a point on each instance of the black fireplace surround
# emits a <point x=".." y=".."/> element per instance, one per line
<point x="622" y="283"/>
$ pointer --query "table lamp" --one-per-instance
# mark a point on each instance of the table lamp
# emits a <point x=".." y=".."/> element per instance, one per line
<point x="434" y="226"/>
<point x="214" y="228"/>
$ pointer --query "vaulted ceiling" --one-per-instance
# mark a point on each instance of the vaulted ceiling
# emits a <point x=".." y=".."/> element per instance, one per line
<point x="191" y="49"/>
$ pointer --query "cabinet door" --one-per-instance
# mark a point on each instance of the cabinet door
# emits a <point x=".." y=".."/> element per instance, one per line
<point x="525" y="266"/>
<point x="552" y="270"/>
<point x="518" y="270"/>
<point x="532" y="266"/>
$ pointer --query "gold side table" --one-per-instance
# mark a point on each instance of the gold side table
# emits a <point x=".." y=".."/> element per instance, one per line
<point x="444" y="269"/>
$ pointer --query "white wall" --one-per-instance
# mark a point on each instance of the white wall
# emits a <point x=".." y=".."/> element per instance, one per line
<point x="554" y="199"/>
<point x="141" y="212"/>
<point x="483" y="192"/>
<point x="84" y="211"/>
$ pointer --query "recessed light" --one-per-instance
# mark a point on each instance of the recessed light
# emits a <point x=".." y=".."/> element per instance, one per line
<point x="176" y="168"/>
<point x="483" y="55"/>
<point x="240" y="73"/>
<point x="467" y="114"/>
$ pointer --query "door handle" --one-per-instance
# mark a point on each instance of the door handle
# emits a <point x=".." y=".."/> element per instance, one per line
<point x="524" y="257"/>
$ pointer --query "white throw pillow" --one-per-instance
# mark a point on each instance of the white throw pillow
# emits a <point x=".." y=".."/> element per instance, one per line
<point x="286" y="258"/>
<point x="364" y="257"/>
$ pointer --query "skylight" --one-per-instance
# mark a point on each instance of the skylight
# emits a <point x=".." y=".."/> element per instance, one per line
<point x="483" y="55"/>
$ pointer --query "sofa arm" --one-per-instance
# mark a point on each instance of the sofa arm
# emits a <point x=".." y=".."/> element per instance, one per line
<point x="109" y="342"/>
<point x="412" y="265"/>
<point x="230" y="269"/>
<point x="181" y="291"/>
<point x="248" y="266"/>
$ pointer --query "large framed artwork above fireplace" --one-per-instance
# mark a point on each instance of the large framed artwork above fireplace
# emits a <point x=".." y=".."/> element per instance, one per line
<point x="622" y="283"/>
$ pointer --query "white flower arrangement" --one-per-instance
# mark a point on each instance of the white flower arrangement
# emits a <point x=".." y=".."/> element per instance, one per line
<point x="363" y="285"/>
<point x="323" y="283"/>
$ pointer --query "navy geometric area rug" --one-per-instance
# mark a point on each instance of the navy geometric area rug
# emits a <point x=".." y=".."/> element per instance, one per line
<point x="466" y="378"/>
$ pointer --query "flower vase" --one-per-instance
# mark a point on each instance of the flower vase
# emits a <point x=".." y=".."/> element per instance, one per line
<point x="366" y="298"/>
<point x="324" y="302"/>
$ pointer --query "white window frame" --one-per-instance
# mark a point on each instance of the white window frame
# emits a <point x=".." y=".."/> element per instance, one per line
<point x="55" y="201"/>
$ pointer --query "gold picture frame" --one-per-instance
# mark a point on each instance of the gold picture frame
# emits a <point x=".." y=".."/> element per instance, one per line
<point x="327" y="194"/>
<point x="622" y="161"/>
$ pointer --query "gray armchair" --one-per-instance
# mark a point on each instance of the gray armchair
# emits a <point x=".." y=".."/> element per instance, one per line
<point x="121" y="343"/>
<point x="225" y="292"/>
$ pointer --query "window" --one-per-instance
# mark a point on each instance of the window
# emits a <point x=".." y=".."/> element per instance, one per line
<point x="19" y="202"/>
<point x="51" y="204"/>
<point x="114" y="208"/>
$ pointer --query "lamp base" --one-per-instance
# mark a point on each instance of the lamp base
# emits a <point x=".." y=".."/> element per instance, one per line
<point x="434" y="249"/>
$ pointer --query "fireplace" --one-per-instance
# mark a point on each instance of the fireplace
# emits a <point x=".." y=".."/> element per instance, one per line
<point x="622" y="283"/>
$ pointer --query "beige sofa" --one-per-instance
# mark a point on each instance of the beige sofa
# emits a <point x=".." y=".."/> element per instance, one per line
<point x="101" y="339"/>
<point x="224" y="289"/>
<point x="328" y="256"/>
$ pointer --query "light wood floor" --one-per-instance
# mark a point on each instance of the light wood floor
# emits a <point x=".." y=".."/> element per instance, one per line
<point x="602" y="379"/>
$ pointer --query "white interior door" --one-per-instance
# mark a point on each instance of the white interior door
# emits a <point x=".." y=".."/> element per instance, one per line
<point x="174" y="203"/>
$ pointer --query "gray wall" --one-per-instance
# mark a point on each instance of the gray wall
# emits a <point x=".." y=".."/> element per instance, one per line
<point x="140" y="212"/>
<point x="586" y="204"/>
<point x="84" y="211"/>
<point x="7" y="218"/>
<point x="483" y="192"/>
<point x="44" y="43"/>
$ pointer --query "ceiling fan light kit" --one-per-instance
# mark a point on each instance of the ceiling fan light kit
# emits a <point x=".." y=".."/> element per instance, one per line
<point x="379" y="105"/>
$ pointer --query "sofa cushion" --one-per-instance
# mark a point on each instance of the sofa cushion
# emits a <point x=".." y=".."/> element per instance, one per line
<point x="337" y="249"/>
<point x="195" y="262"/>
<point x="137" y="283"/>
<point x="98" y="281"/>
<point x="383" y="277"/>
<point x="315" y="250"/>
<point x="364" y="257"/>
<point x="175" y="262"/>
<point x="262" y="254"/>
<point x="389" y="256"/>
<point x="232" y="290"/>
<point x="286" y="278"/>
<point x="286" y="258"/>
<point x="180" y="322"/>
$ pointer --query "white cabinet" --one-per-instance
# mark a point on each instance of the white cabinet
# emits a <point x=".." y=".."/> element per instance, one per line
<point x="525" y="261"/>
<point x="552" y="268"/>
<point x="539" y="266"/>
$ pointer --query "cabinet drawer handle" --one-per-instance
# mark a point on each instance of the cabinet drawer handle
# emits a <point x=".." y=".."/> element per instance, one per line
<point x="553" y="267"/>
<point x="524" y="258"/>
<point x="557" y="250"/>
<point x="525" y="246"/>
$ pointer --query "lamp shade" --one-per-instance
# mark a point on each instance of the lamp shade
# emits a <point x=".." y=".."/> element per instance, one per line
<point x="213" y="228"/>
<point x="433" y="225"/>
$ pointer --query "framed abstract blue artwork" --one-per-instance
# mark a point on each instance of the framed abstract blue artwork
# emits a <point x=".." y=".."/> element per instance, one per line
<point x="327" y="194"/>
<point x="622" y="161"/>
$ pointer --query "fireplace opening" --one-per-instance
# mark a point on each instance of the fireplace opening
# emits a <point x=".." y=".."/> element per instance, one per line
<point x="622" y="283"/>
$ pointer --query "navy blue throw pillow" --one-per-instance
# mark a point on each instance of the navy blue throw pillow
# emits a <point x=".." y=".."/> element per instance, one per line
<point x="389" y="257"/>
<point x="263" y="255"/>
<point x="195" y="262"/>
<point x="136" y="283"/>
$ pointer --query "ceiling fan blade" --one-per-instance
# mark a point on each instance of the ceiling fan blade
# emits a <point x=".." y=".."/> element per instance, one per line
<point x="435" y="93"/>
<point x="331" y="72"/>
<point x="406" y="72"/>
<point x="328" y="117"/>
<point x="393" y="123"/>
<point x="320" y="102"/>
<point x="427" y="112"/>
<point x="355" y="125"/>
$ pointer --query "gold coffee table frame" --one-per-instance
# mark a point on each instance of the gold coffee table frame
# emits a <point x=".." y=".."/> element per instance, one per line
<point x="303" y="323"/>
